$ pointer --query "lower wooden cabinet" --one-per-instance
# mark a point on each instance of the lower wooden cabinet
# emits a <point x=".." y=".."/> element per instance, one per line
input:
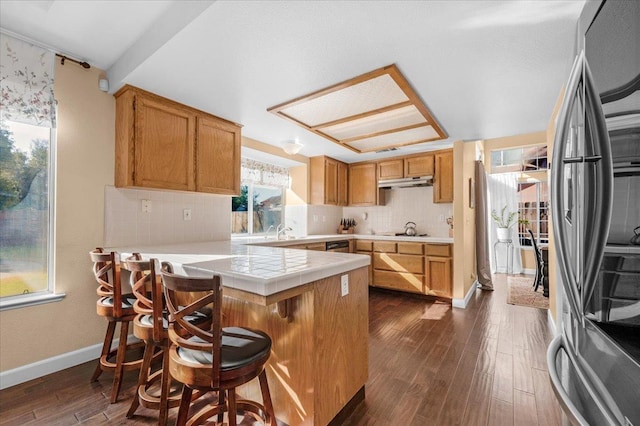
<point x="438" y="273"/>
<point x="423" y="268"/>
<point x="365" y="247"/>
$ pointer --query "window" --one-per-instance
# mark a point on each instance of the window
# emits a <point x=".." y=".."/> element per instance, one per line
<point x="533" y="212"/>
<point x="261" y="201"/>
<point x="27" y="122"/>
<point x="519" y="159"/>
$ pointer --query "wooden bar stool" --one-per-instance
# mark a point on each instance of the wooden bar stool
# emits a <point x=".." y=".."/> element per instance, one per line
<point x="213" y="359"/>
<point x="151" y="325"/>
<point x="116" y="307"/>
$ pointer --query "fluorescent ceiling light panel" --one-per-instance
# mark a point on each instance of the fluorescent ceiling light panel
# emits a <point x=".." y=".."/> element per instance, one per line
<point x="406" y="137"/>
<point x="365" y="113"/>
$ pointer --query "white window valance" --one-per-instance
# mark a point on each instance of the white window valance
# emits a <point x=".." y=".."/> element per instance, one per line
<point x="26" y="83"/>
<point x="264" y="173"/>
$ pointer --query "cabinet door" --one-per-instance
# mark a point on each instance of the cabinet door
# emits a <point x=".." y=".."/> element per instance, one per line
<point x="164" y="145"/>
<point x="418" y="166"/>
<point x="218" y="154"/>
<point x="330" y="181"/>
<point x="391" y="169"/>
<point x="443" y="179"/>
<point x="363" y="185"/>
<point x="343" y="184"/>
<point x="438" y="276"/>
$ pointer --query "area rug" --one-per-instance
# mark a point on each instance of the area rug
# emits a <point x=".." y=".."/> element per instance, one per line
<point x="520" y="292"/>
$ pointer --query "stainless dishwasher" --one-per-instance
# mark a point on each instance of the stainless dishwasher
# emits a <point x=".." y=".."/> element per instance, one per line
<point x="341" y="246"/>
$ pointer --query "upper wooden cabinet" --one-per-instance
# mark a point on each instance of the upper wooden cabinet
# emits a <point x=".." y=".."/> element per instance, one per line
<point x="363" y="185"/>
<point x="343" y="184"/>
<point x="391" y="169"/>
<point x="418" y="166"/>
<point x="328" y="181"/>
<point x="218" y="150"/>
<point x="166" y="145"/>
<point x="406" y="167"/>
<point x="443" y="178"/>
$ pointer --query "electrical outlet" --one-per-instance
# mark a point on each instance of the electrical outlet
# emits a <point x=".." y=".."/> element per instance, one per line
<point x="315" y="218"/>
<point x="324" y="218"/>
<point x="344" y="285"/>
<point x="186" y="214"/>
<point x="146" y="206"/>
<point x="441" y="218"/>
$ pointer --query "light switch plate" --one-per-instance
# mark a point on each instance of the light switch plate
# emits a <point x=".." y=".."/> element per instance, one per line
<point x="186" y="214"/>
<point x="344" y="284"/>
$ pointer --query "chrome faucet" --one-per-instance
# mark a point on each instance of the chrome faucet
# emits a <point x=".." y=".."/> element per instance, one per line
<point x="282" y="230"/>
<point x="266" y="235"/>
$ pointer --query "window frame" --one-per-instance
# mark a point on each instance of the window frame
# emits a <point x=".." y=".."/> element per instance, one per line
<point x="520" y="166"/>
<point x="49" y="295"/>
<point x="250" y="188"/>
<point x="522" y="234"/>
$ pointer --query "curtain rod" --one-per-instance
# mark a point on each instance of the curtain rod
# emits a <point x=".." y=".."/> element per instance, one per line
<point x="44" y="46"/>
<point x="84" y="65"/>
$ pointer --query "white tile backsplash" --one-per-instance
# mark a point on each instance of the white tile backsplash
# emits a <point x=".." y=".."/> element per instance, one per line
<point x="323" y="219"/>
<point x="126" y="224"/>
<point x="404" y="205"/>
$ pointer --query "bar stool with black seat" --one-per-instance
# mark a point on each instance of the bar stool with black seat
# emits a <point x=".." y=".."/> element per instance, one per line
<point x="214" y="359"/>
<point x="116" y="307"/>
<point x="151" y="325"/>
<point x="539" y="262"/>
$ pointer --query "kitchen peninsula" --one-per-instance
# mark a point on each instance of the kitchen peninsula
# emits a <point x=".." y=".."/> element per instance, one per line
<point x="319" y="358"/>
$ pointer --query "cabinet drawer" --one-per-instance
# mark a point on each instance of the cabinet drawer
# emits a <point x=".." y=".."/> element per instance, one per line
<point x="384" y="246"/>
<point x="398" y="262"/>
<point x="362" y="245"/>
<point x="411" y="248"/>
<point x="399" y="281"/>
<point x="438" y="250"/>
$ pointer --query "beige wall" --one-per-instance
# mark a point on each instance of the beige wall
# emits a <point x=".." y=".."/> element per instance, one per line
<point x="551" y="267"/>
<point x="85" y="164"/>
<point x="298" y="193"/>
<point x="464" y="231"/>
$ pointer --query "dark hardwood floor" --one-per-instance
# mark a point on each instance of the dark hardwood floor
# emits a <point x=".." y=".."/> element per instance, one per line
<point x="428" y="365"/>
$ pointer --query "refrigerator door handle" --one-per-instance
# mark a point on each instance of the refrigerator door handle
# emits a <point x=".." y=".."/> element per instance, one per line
<point x="565" y="130"/>
<point x="602" y="170"/>
<point x="569" y="408"/>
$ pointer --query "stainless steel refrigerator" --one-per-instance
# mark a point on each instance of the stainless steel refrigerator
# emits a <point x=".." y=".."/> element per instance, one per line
<point x="594" y="363"/>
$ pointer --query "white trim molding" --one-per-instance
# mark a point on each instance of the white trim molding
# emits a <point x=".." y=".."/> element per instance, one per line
<point x="56" y="363"/>
<point x="462" y="303"/>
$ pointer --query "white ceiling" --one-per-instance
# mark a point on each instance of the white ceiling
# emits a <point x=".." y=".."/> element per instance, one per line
<point x="485" y="69"/>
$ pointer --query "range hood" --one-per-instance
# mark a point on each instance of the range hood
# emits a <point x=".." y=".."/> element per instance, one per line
<point x="406" y="182"/>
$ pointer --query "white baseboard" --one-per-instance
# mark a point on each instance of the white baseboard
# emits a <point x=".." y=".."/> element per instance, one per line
<point x="529" y="271"/>
<point x="462" y="303"/>
<point x="51" y="365"/>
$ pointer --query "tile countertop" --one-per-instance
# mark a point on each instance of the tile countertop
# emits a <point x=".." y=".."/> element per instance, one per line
<point x="272" y="242"/>
<point x="255" y="269"/>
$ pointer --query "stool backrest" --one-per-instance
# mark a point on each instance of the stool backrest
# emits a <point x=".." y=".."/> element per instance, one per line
<point x="207" y="292"/>
<point x="143" y="275"/>
<point x="106" y="269"/>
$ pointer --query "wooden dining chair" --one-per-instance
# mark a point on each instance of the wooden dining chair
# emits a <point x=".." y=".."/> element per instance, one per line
<point x="213" y="358"/>
<point x="151" y="325"/>
<point x="539" y="262"/>
<point x="117" y="308"/>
